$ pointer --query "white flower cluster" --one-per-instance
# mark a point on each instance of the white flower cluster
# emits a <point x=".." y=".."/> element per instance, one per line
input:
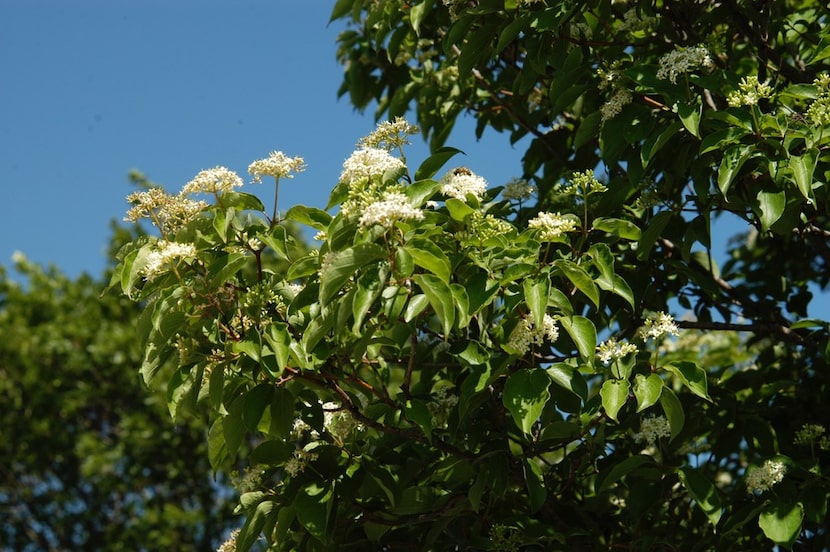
<point x="213" y="181"/>
<point x="389" y="135"/>
<point x="652" y="428"/>
<point x="230" y="544"/>
<point x="552" y="225"/>
<point x="481" y="227"/>
<point x="518" y="189"/>
<point x="612" y="350"/>
<point x="613" y="106"/>
<point x="365" y="163"/>
<point x="393" y="207"/>
<point x="659" y="325"/>
<point x="819" y="110"/>
<point x="339" y="422"/>
<point x="277" y="164"/>
<point x="682" y="61"/>
<point x="809" y="433"/>
<point x="763" y="478"/>
<point x="526" y="334"/>
<point x="751" y="91"/>
<point x="166" y="252"/>
<point x="298" y="462"/>
<point x="441" y="407"/>
<point x="633" y="22"/>
<point x="462" y="181"/>
<point x="167" y="211"/>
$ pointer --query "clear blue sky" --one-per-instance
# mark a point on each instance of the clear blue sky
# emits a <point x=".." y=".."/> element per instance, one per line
<point x="93" y="88"/>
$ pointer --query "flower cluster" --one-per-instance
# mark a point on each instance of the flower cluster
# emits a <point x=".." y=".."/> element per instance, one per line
<point x="552" y="225"/>
<point x="651" y="429"/>
<point x="613" y="106"/>
<point x="441" y="407"/>
<point x="518" y="189"/>
<point x="812" y="433"/>
<point x="763" y="478"/>
<point x="277" y="164"/>
<point x="393" y="207"/>
<point x="659" y="325"/>
<point x="213" y="181"/>
<point x="633" y="22"/>
<point x="365" y="163"/>
<point x="230" y="544"/>
<point x="682" y="61"/>
<point x="168" y="212"/>
<point x="389" y="135"/>
<point x="158" y="261"/>
<point x="481" y="227"/>
<point x="460" y="182"/>
<point x="298" y="462"/>
<point x="751" y="91"/>
<point x="819" y="110"/>
<point x="339" y="422"/>
<point x="611" y="80"/>
<point x="612" y="350"/>
<point x="526" y="334"/>
<point x="583" y="184"/>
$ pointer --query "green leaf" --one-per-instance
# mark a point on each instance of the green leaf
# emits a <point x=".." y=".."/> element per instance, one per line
<point x="255" y="402"/>
<point x="583" y="333"/>
<point x="310" y="216"/>
<point x="343" y="266"/>
<point x="458" y="209"/>
<point x="692" y="376"/>
<point x="733" y="159"/>
<point x="703" y="492"/>
<point x="621" y="469"/>
<point x="803" y="167"/>
<point x="233" y="427"/>
<point x="341" y="9"/>
<point x="771" y="206"/>
<point x="781" y="522"/>
<point x="440" y="299"/>
<point x="624" y="229"/>
<point x="719" y="140"/>
<point x="417" y="14"/>
<point x="579" y="278"/>
<point x="536" y="491"/>
<point x="312" y="507"/>
<point x="674" y="411"/>
<point x="536" y="297"/>
<point x="647" y="390"/>
<point x="656" y="143"/>
<point x="252" y="528"/>
<point x="282" y="412"/>
<point x="649" y="237"/>
<point x="614" y="394"/>
<point x="417" y="411"/>
<point x="525" y="395"/>
<point x="430" y="257"/>
<point x="569" y="377"/>
<point x="434" y="162"/>
<point x="690" y="116"/>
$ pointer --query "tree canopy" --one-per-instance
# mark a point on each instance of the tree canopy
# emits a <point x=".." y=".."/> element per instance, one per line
<point x="92" y="460"/>
<point x="555" y="363"/>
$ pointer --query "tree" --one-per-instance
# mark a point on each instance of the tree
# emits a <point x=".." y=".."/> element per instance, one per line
<point x="92" y="460"/>
<point x="457" y="366"/>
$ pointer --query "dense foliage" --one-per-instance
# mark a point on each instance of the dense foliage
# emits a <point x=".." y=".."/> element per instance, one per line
<point x="91" y="459"/>
<point x="464" y="366"/>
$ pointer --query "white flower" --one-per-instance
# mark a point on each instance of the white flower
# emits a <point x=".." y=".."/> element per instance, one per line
<point x="751" y="91"/>
<point x="389" y="135"/>
<point x="462" y="181"/>
<point x="682" y="61"/>
<point x="277" y="165"/>
<point x="763" y="478"/>
<point x="368" y="162"/>
<point x="298" y="462"/>
<point x="552" y="225"/>
<point x="614" y="105"/>
<point x="167" y="212"/>
<point x="808" y="433"/>
<point x="213" y="181"/>
<point x="652" y="428"/>
<point x="518" y="189"/>
<point x="659" y="325"/>
<point x="526" y="334"/>
<point x="394" y="206"/>
<point x="230" y="544"/>
<point x="166" y="252"/>
<point x="611" y="350"/>
<point x="338" y="421"/>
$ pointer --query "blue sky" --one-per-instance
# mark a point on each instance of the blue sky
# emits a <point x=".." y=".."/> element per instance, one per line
<point x="94" y="88"/>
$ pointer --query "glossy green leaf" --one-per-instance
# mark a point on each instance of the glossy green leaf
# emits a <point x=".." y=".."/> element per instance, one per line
<point x="343" y="267"/>
<point x="430" y="257"/>
<point x="733" y="159"/>
<point x="703" y="492"/>
<point x="614" y="394"/>
<point x="583" y="333"/>
<point x="569" y="377"/>
<point x="579" y="278"/>
<point x="690" y="117"/>
<point x="310" y="216"/>
<point x="803" y="167"/>
<point x="771" y="206"/>
<point x="624" y="229"/>
<point x="434" y="162"/>
<point x="673" y="410"/>
<point x="312" y="507"/>
<point x="781" y="521"/>
<point x="647" y="390"/>
<point x="525" y="395"/>
<point x="440" y="298"/>
<point x="536" y="491"/>
<point x="621" y="469"/>
<point x="536" y="297"/>
<point x="692" y="376"/>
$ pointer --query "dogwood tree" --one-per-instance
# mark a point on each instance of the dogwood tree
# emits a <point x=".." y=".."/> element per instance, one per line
<point x="556" y="362"/>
